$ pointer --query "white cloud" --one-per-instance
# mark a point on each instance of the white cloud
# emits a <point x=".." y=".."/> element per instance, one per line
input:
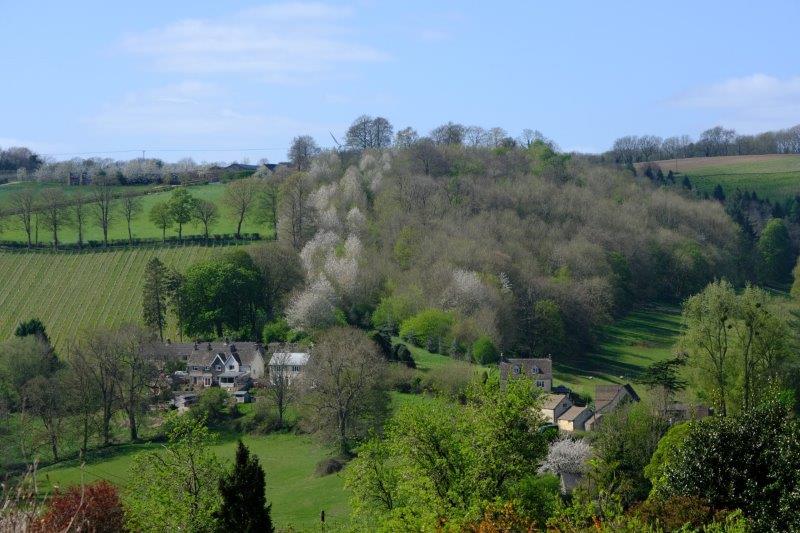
<point x="187" y="108"/>
<point x="751" y="103"/>
<point x="278" y="43"/>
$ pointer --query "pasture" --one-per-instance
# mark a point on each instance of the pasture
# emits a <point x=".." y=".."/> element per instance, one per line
<point x="141" y="225"/>
<point x="776" y="177"/>
<point x="70" y="291"/>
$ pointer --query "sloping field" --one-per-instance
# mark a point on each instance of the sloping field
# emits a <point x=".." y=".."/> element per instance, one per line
<point x="70" y="291"/>
<point x="141" y="226"/>
<point x="772" y="176"/>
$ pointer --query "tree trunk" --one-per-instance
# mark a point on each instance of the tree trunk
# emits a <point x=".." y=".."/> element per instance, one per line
<point x="130" y="234"/>
<point x="54" y="445"/>
<point x="239" y="227"/>
<point x="132" y="422"/>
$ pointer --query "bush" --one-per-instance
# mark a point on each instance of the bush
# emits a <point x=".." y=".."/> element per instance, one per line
<point x="403" y="355"/>
<point x="391" y="312"/>
<point x="430" y="329"/>
<point x="95" y="507"/>
<point x="672" y="513"/>
<point x="404" y="379"/>
<point x="328" y="466"/>
<point x="212" y="406"/>
<point x="263" y="421"/>
<point x="451" y="381"/>
<point x="484" y="351"/>
<point x="277" y="331"/>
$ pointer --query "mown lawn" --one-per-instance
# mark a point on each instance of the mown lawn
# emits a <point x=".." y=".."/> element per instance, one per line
<point x="71" y="291"/>
<point x="141" y="225"/>
<point x="626" y="347"/>
<point x="297" y="494"/>
<point x="776" y="177"/>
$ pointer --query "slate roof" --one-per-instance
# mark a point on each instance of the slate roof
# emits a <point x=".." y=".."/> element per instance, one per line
<point x="203" y="353"/>
<point x="289" y="359"/>
<point x="573" y="412"/>
<point x="551" y="401"/>
<point x="528" y="367"/>
<point x="605" y="394"/>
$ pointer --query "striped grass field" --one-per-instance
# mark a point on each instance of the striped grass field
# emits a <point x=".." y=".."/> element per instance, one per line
<point x="71" y="291"/>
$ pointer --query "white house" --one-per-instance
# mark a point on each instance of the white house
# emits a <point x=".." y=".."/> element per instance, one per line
<point x="292" y="365"/>
<point x="229" y="365"/>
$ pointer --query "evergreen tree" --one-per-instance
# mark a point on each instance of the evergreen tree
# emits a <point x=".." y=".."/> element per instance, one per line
<point x="775" y="253"/>
<point x="687" y="183"/>
<point x="244" y="504"/>
<point x="34" y="327"/>
<point x="155" y="296"/>
<point x="719" y="193"/>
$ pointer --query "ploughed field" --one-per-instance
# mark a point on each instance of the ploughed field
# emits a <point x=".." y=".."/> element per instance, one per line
<point x="69" y="291"/>
<point x="776" y="177"/>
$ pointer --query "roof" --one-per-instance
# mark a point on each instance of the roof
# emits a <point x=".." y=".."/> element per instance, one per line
<point x="605" y="394"/>
<point x="289" y="359"/>
<point x="573" y="412"/>
<point x="203" y="353"/>
<point x="232" y="374"/>
<point x="551" y="401"/>
<point x="527" y="366"/>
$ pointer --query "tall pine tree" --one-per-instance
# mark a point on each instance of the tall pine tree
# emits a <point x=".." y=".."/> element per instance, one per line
<point x="155" y="295"/>
<point x="244" y="504"/>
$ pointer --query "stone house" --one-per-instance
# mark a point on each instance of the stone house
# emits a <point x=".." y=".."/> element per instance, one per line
<point x="554" y="405"/>
<point x="232" y="366"/>
<point x="575" y="418"/>
<point x="540" y="370"/>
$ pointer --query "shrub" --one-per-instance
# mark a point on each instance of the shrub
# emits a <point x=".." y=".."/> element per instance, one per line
<point x="391" y="312"/>
<point x="451" y="381"/>
<point x="211" y="406"/>
<point x="403" y="379"/>
<point x="672" y="513"/>
<point x="328" y="466"/>
<point x="277" y="331"/>
<point x="264" y="419"/>
<point x="484" y="351"/>
<point x="95" y="507"/>
<point x="430" y="328"/>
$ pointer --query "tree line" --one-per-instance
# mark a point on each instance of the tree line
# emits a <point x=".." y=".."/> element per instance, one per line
<point x="716" y="141"/>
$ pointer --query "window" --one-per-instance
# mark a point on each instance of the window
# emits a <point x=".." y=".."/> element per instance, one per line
<point x="535" y="370"/>
<point x="516" y="369"/>
<point x="540" y="384"/>
<point x="218" y="368"/>
<point x="230" y="367"/>
<point x="295" y="369"/>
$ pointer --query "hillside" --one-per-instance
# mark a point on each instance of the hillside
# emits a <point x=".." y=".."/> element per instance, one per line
<point x="70" y="291"/>
<point x="772" y="176"/>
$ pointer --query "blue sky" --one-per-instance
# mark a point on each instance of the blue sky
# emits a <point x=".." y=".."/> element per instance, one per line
<point x="190" y="78"/>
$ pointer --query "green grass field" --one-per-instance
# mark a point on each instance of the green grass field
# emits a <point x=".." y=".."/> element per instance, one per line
<point x="70" y="291"/>
<point x="626" y="348"/>
<point x="141" y="225"/>
<point x="296" y="493"/>
<point x="772" y="176"/>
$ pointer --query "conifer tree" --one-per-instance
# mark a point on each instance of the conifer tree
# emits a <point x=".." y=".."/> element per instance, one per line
<point x="244" y="504"/>
<point x="154" y="302"/>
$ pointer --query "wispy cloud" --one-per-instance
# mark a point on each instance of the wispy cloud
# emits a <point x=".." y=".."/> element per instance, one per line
<point x="756" y="102"/>
<point x="187" y="108"/>
<point x="277" y="43"/>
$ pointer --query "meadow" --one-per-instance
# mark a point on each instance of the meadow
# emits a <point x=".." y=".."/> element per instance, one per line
<point x="297" y="494"/>
<point x="141" y="225"/>
<point x="772" y="176"/>
<point x="73" y="290"/>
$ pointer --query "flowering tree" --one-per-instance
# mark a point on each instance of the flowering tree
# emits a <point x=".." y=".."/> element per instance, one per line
<point x="566" y="456"/>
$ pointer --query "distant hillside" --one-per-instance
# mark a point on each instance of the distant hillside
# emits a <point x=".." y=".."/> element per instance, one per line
<point x="71" y="291"/>
<point x="776" y="177"/>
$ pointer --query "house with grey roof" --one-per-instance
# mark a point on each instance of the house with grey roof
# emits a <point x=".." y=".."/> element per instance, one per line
<point x="539" y="370"/>
<point x="575" y="418"/>
<point x="554" y="405"/>
<point x="230" y="365"/>
<point x="287" y="365"/>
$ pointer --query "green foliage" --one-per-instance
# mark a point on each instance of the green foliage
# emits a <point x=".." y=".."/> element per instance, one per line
<point x="775" y="253"/>
<point x="665" y="453"/>
<point x="155" y="296"/>
<point x="547" y="333"/>
<point x="277" y="331"/>
<point x="428" y="327"/>
<point x="537" y="497"/>
<point x="443" y="463"/>
<point x="222" y="294"/>
<point x="244" y="506"/>
<point x="795" y="290"/>
<point x="175" y="489"/>
<point x="484" y="351"/>
<point x="391" y="312"/>
<point x="181" y="208"/>
<point x="624" y="444"/>
<point x="212" y="406"/>
<point x="749" y="461"/>
<point x="406" y="247"/>
<point x="161" y="217"/>
<point x="34" y="327"/>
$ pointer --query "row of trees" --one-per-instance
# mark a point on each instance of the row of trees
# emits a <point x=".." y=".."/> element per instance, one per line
<point x="716" y="141"/>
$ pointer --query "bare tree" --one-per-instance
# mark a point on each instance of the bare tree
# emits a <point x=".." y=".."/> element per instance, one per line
<point x="448" y="134"/>
<point x="45" y="396"/>
<point x="131" y="207"/>
<point x="240" y="195"/>
<point x="347" y="398"/>
<point x="304" y="148"/>
<point x="137" y="353"/>
<point x="475" y="136"/>
<point x="281" y="385"/>
<point x="406" y="137"/>
<point x="23" y="205"/>
<point x="206" y="213"/>
<point x="296" y="219"/>
<point x="96" y="355"/>
<point x="368" y="132"/>
<point x="55" y="211"/>
<point x="79" y="210"/>
<point x="102" y="197"/>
